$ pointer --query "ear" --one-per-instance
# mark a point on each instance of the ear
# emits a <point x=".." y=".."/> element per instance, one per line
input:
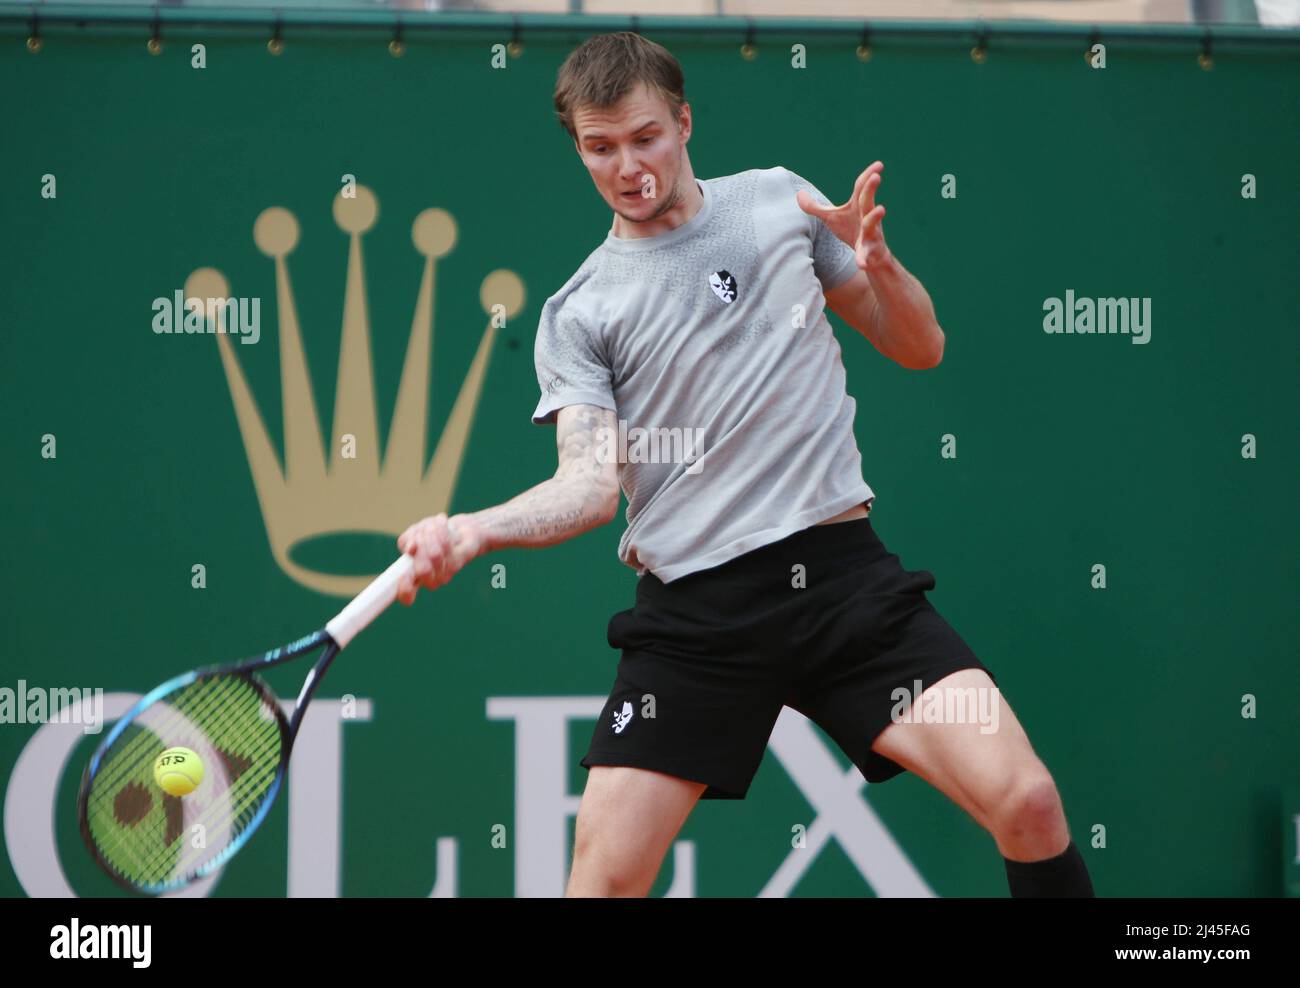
<point x="684" y="122"/>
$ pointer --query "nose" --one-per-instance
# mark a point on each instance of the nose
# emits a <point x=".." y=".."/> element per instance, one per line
<point x="628" y="166"/>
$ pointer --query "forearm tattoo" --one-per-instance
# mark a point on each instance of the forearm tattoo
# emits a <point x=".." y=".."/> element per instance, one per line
<point x="573" y="501"/>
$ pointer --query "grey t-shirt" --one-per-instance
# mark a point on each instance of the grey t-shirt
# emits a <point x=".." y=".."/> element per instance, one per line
<point x="711" y="345"/>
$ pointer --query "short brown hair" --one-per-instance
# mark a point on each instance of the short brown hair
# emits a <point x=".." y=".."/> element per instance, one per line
<point x="605" y="68"/>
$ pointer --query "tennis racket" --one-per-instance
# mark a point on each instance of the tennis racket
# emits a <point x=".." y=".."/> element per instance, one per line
<point x="149" y="841"/>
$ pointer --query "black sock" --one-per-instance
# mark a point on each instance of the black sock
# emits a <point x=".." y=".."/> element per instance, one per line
<point x="1062" y="877"/>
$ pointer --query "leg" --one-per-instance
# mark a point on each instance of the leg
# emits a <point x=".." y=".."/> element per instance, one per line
<point x="994" y="777"/>
<point x="626" y="823"/>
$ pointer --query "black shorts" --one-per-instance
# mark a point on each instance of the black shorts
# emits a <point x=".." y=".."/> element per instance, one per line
<point x="710" y="659"/>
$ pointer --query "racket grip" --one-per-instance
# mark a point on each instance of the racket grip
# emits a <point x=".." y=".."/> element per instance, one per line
<point x="370" y="603"/>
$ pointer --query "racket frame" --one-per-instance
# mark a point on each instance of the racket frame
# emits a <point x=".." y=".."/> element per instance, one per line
<point x="247" y="670"/>
<point x="335" y="636"/>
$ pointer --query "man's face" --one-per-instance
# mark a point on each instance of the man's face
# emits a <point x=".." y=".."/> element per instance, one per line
<point x="634" y="152"/>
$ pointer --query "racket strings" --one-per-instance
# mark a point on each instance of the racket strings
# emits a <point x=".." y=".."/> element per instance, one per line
<point x="140" y="831"/>
<point x="195" y="705"/>
<point x="195" y="702"/>
<point x="132" y="831"/>
<point x="148" y="841"/>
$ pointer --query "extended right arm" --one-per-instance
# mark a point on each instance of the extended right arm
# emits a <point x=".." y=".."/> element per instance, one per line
<point x="582" y="495"/>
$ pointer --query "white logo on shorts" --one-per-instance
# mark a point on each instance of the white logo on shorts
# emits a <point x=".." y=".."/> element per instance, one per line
<point x="622" y="717"/>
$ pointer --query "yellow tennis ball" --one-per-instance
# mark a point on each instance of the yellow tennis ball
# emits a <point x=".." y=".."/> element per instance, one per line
<point x="178" y="771"/>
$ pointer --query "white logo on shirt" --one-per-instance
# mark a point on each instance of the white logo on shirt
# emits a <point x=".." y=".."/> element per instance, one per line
<point x="724" y="286"/>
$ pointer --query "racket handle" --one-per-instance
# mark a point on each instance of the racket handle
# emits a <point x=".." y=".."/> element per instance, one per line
<point x="370" y="603"/>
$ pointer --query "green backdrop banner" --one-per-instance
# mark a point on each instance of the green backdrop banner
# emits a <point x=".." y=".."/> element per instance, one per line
<point x="1109" y="516"/>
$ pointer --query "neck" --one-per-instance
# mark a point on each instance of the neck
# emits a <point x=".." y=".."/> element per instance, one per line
<point x="687" y="200"/>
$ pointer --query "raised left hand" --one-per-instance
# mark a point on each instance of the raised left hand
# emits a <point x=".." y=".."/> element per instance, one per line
<point x="858" y="221"/>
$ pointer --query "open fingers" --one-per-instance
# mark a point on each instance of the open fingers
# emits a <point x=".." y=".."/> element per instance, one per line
<point x="810" y="205"/>
<point x="867" y="193"/>
<point x="871" y="222"/>
<point x="859" y="182"/>
<point x="870" y="238"/>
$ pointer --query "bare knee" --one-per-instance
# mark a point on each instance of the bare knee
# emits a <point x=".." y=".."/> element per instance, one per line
<point x="600" y="871"/>
<point x="626" y="823"/>
<point x="1029" y="811"/>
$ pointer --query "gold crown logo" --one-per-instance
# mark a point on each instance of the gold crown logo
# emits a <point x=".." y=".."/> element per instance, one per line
<point x="306" y="498"/>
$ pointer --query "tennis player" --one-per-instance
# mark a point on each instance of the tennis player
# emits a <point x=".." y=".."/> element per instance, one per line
<point x="689" y="361"/>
